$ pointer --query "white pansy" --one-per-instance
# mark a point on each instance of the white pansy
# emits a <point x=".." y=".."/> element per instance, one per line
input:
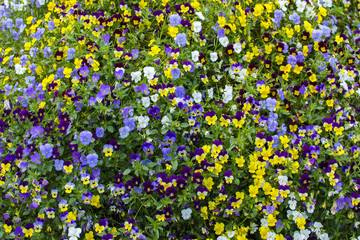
<point x="230" y="234"/>
<point x="213" y="56"/>
<point x="310" y="208"/>
<point x="270" y="235"/>
<point x="310" y="13"/>
<point x="253" y="228"/>
<point x="74" y="233"/>
<point x="199" y="65"/>
<point x="149" y="72"/>
<point x="6" y="104"/>
<point x="154" y="97"/>
<point x="145" y="101"/>
<point x="317" y="225"/>
<point x="186" y="213"/>
<point x="264" y="222"/>
<point x="19" y="69"/>
<point x="300" y="5"/>
<point x="197" y="97"/>
<point x="210" y="93"/>
<point x="200" y="15"/>
<point x="283" y="4"/>
<point x="224" y="41"/>
<point x="356" y="225"/>
<point x="197" y="26"/>
<point x="165" y="120"/>
<point x="143" y="121"/>
<point x="237" y="47"/>
<point x="325" y="3"/>
<point x="195" y="56"/>
<point x="222" y="238"/>
<point x="136" y="76"/>
<point x="299" y="236"/>
<point x="292" y="204"/>
<point x="227" y="94"/>
<point x="305" y="232"/>
<point x="283" y="179"/>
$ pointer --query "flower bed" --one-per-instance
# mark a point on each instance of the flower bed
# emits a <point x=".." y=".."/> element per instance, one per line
<point x="179" y="120"/>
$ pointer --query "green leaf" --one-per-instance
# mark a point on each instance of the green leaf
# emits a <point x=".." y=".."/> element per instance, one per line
<point x="175" y="165"/>
<point x="154" y="131"/>
<point x="49" y="167"/>
<point x="110" y="129"/>
<point x="236" y="181"/>
<point x="152" y="164"/>
<point x="127" y="171"/>
<point x="61" y="150"/>
<point x="150" y="219"/>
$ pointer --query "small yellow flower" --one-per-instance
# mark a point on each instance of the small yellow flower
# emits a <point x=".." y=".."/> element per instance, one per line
<point x="154" y="50"/>
<point x="264" y="91"/>
<point x="41" y="105"/>
<point x="253" y="190"/>
<point x="89" y="235"/>
<point x="209" y="183"/>
<point x="222" y="21"/>
<point x="7" y="228"/>
<point x="240" y="161"/>
<point x="95" y="201"/>
<point x="271" y="220"/>
<point x="219" y="228"/>
<point x="301" y="222"/>
<point x="211" y="120"/>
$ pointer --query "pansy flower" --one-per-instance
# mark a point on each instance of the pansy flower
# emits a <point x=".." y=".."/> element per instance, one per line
<point x="92" y="160"/>
<point x="171" y="192"/>
<point x="316" y="35"/>
<point x="305" y="36"/>
<point x="236" y="67"/>
<point x="86" y="197"/>
<point x="108" y="149"/>
<point x="175" y="20"/>
<point x="188" y="66"/>
<point x="67" y="167"/>
<point x="69" y="187"/>
<point x="85" y="137"/>
<point x="181" y="39"/>
<point x="58" y="55"/>
<point x="119" y="73"/>
<point x="239" y="119"/>
<point x="210" y="117"/>
<point x="175" y="73"/>
<point x="124" y="131"/>
<point x="201" y="192"/>
<point x="155" y="112"/>
<point x="148" y="148"/>
<point x="46" y="150"/>
<point x="50" y="213"/>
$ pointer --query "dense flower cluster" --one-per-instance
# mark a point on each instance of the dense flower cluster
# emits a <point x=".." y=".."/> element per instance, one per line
<point x="200" y="119"/>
